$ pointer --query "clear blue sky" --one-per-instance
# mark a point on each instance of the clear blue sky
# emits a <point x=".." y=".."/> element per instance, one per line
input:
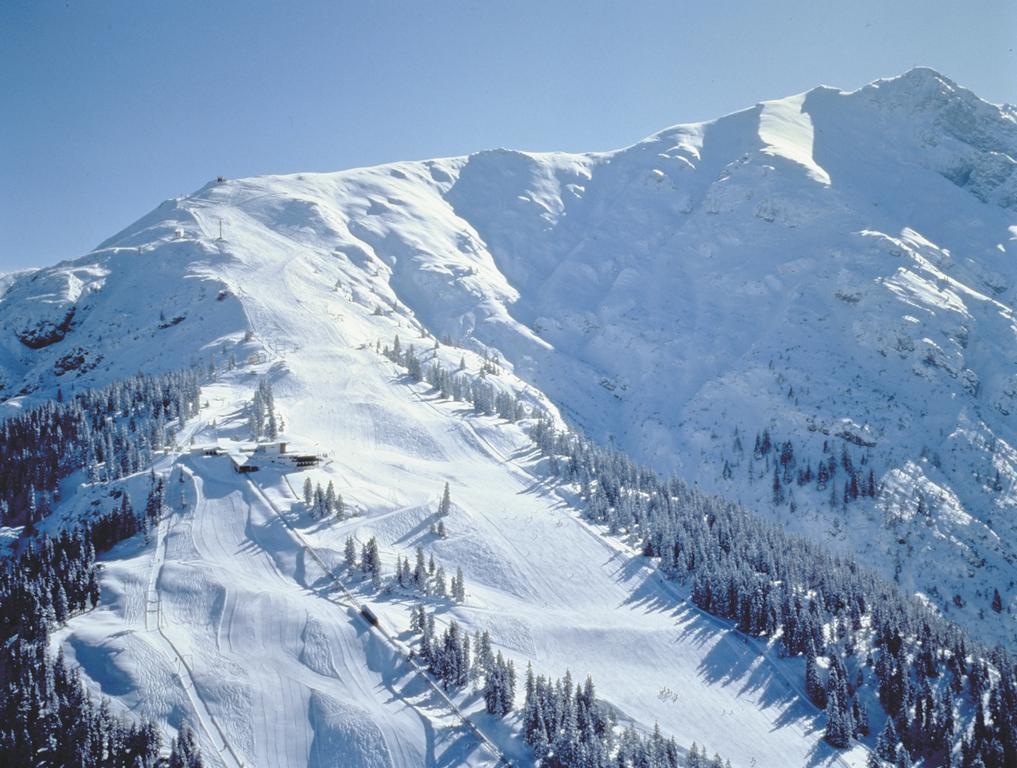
<point x="110" y="107"/>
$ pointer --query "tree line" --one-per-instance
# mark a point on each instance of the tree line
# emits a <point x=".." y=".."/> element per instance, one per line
<point x="457" y="385"/>
<point x="109" y="432"/>
<point x="566" y="726"/>
<point x="862" y="637"/>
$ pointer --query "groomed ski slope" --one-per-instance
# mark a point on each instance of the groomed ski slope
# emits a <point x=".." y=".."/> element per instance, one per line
<point x="292" y="679"/>
<point x="242" y="641"/>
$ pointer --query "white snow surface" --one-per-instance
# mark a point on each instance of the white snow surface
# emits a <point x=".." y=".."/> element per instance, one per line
<point x="226" y="589"/>
<point x="832" y="265"/>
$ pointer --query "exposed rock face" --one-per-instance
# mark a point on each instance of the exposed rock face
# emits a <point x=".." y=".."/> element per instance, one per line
<point x="46" y="332"/>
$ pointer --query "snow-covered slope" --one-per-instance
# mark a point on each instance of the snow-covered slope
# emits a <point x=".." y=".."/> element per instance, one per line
<point x="226" y="621"/>
<point x="278" y="674"/>
<point x="833" y="267"/>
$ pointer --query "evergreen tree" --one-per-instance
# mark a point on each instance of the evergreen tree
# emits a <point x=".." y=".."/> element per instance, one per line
<point x="420" y="571"/>
<point x="330" y="499"/>
<point x="838" y="729"/>
<point x="350" y="552"/>
<point x="445" y="505"/>
<point x="184" y="752"/>
<point x="370" y="561"/>
<point x="440" y="584"/>
<point x="778" y="492"/>
<point x="887" y="742"/>
<point x="813" y="685"/>
<point x="458" y="587"/>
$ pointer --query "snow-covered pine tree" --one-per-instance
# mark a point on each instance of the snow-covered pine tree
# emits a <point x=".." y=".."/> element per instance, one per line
<point x="329" y="503"/>
<point x="458" y="586"/>
<point x="445" y="505"/>
<point x="350" y="552"/>
<point x="420" y="571"/>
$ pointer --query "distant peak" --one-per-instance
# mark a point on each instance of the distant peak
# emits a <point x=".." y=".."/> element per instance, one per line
<point x="924" y="75"/>
<point x="918" y="84"/>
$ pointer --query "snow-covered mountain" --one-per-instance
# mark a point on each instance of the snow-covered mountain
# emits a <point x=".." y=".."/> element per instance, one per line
<point x="829" y="268"/>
